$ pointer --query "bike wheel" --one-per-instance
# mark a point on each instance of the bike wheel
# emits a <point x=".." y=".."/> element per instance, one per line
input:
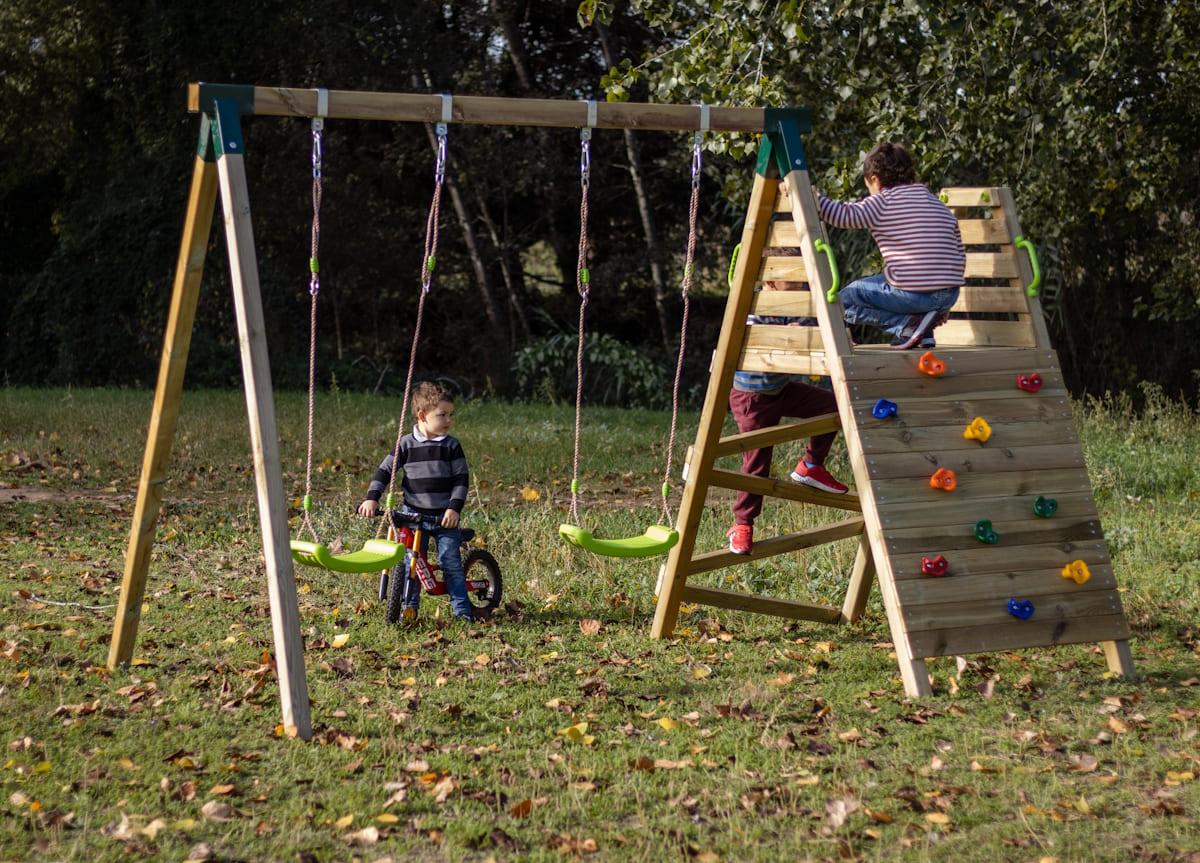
<point x="395" y="598"/>
<point x="479" y="565"/>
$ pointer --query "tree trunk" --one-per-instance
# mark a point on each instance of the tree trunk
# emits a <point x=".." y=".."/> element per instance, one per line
<point x="516" y="302"/>
<point x="653" y="251"/>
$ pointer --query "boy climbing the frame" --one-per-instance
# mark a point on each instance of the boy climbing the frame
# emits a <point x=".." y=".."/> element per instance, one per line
<point x="923" y="256"/>
<point x="435" y="487"/>
<point x="762" y="399"/>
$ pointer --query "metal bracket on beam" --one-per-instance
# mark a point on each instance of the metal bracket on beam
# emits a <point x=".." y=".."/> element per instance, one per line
<point x="782" y="147"/>
<point x="201" y="96"/>
<point x="227" y="129"/>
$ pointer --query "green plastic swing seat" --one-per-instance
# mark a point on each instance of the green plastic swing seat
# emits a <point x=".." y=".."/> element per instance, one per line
<point x="375" y="555"/>
<point x="656" y="540"/>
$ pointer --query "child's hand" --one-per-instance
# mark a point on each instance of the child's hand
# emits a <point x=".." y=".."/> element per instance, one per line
<point x="368" y="508"/>
<point x="450" y="518"/>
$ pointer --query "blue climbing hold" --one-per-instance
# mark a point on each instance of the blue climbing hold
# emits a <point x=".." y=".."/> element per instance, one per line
<point x="1022" y="609"/>
<point x="884" y="409"/>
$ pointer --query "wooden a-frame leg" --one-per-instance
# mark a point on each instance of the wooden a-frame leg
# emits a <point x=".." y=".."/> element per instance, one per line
<point x="184" y="296"/>
<point x="1119" y="658"/>
<point x="859" y="587"/>
<point x="264" y="441"/>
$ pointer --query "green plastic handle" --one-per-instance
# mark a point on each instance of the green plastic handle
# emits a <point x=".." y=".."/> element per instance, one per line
<point x="822" y="246"/>
<point x="732" y="264"/>
<point x="1022" y="243"/>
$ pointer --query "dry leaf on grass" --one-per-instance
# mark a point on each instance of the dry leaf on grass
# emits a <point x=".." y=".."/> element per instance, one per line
<point x="589" y="626"/>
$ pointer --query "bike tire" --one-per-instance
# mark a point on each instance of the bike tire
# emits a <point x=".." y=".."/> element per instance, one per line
<point x="486" y="600"/>
<point x="395" y="598"/>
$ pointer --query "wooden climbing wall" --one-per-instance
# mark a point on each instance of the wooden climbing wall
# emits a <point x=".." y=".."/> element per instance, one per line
<point x="996" y="333"/>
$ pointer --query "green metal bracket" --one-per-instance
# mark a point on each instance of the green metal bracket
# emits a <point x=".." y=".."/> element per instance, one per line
<point x="204" y="149"/>
<point x="783" y="145"/>
<point x="227" y="129"/>
<point x="240" y="94"/>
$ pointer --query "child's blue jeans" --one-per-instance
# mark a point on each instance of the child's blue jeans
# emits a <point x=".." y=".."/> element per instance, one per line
<point x="871" y="300"/>
<point x="449" y="555"/>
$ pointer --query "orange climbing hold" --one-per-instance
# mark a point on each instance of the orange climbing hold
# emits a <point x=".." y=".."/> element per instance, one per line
<point x="1077" y="571"/>
<point x="943" y="479"/>
<point x="930" y="365"/>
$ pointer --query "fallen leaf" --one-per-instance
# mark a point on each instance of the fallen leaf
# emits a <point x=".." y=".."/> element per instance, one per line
<point x="837" y="811"/>
<point x="364" y="838"/>
<point x="530" y="494"/>
<point x="667" y="724"/>
<point x="937" y="817"/>
<point x="589" y="626"/>
<point x="344" y="822"/>
<point x="216" y="810"/>
<point x="522" y="809"/>
<point x="1083" y="763"/>
<point x="340" y="640"/>
<point x="387" y="818"/>
<point x="577" y="734"/>
<point x="782" y="680"/>
<point x="221" y="790"/>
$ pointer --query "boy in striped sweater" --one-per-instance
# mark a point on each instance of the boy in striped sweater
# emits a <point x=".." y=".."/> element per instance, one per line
<point x="762" y="399"/>
<point x="435" y="487"/>
<point x="923" y="257"/>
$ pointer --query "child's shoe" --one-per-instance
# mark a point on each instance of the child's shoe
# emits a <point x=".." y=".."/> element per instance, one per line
<point x="928" y="342"/>
<point x="408" y="616"/>
<point x="917" y="328"/>
<point x="817" y="477"/>
<point x="741" y="538"/>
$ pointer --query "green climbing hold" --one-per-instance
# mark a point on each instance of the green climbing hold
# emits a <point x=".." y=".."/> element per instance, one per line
<point x="985" y="533"/>
<point x="1044" y="507"/>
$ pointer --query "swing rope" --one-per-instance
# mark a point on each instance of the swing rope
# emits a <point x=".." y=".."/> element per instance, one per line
<point x="583" y="286"/>
<point x="685" y="291"/>
<point x="314" y="288"/>
<point x="427" y="267"/>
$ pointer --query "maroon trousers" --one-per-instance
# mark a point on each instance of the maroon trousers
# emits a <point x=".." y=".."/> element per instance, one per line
<point x="761" y="410"/>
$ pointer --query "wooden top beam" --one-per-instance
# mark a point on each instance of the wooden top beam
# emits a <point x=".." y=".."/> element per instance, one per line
<point x="476" y="110"/>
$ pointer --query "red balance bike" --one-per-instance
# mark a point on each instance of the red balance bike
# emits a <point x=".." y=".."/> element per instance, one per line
<point x="484" y="583"/>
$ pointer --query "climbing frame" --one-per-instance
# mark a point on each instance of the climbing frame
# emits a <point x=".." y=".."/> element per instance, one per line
<point x="994" y="343"/>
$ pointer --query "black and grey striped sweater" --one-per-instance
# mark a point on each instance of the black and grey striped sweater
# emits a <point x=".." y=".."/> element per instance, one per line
<point x="435" y="474"/>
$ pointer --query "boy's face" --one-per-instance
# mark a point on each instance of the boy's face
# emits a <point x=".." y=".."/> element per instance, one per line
<point x="438" y="421"/>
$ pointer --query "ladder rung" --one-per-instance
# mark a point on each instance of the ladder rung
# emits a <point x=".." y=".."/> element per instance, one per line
<point x="786" y="490"/>
<point x="777" y="434"/>
<point x="761" y="604"/>
<point x="775" y="545"/>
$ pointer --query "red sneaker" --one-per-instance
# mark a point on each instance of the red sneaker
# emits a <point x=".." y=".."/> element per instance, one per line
<point x="817" y="477"/>
<point x="741" y="538"/>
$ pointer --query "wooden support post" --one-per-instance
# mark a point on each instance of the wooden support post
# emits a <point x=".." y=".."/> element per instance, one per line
<point x="1036" y="319"/>
<point x="733" y="330"/>
<point x="264" y="437"/>
<point x="184" y="295"/>
<point x="1119" y="658"/>
<point x="859" y="587"/>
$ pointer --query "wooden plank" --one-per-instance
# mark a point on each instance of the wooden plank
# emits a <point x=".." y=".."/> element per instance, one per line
<point x="983" y="385"/>
<point x="883" y="363"/>
<point x="1065" y="605"/>
<point x="761" y="604"/>
<point x="974" y="486"/>
<point x="1002" y="558"/>
<point x="970" y="196"/>
<point x="986" y="461"/>
<point x="1019" y="633"/>
<point x="952" y="508"/>
<point x="785" y="489"/>
<point x="764" y="548"/>
<point x="185" y="293"/>
<point x="264" y="444"/>
<point x="490" y="110"/>
<point x="1037" y="320"/>
<point x="716" y="400"/>
<point x="947" y="538"/>
<point x="959" y="412"/>
<point x="993" y="299"/>
<point x="783" y="269"/>
<point x="782" y="235"/>
<point x="983" y="587"/>
<point x="859" y="588"/>
<point x="759" y="438"/>
<point x="796" y="304"/>
<point x="991" y="265"/>
<point x="984" y="232"/>
<point x="943" y="438"/>
<point x="1119" y="658"/>
<point x="783" y="337"/>
<point x="783" y="361"/>
<point x="989" y="333"/>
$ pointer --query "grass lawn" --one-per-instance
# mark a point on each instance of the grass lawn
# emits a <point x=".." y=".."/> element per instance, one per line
<point x="745" y="738"/>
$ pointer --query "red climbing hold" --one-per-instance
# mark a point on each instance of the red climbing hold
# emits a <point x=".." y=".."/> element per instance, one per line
<point x="1031" y="383"/>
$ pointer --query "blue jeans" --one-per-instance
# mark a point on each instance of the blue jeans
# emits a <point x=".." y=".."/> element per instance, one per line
<point x="871" y="300"/>
<point x="449" y="555"/>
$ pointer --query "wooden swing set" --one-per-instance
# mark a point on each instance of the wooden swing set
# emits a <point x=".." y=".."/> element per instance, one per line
<point x="998" y="333"/>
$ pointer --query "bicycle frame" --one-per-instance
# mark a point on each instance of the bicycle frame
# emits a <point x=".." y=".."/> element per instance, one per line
<point x="417" y="562"/>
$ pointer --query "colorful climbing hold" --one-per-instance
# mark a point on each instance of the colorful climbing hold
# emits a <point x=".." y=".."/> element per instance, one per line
<point x="936" y="566"/>
<point x="985" y="533"/>
<point x="1044" y="507"/>
<point x="943" y="479"/>
<point x="1077" y="571"/>
<point x="930" y="365"/>
<point x="1022" y="609"/>
<point x="884" y="409"/>
<point x="978" y="430"/>
<point x="1031" y="383"/>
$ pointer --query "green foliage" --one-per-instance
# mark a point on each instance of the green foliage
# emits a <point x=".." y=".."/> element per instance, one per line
<point x="614" y="373"/>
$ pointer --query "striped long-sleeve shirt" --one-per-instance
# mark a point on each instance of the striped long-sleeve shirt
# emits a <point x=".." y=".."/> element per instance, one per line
<point x="435" y="474"/>
<point x="917" y="235"/>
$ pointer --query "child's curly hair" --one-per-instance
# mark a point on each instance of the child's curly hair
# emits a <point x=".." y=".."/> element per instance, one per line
<point x="428" y="395"/>
<point x="890" y="164"/>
